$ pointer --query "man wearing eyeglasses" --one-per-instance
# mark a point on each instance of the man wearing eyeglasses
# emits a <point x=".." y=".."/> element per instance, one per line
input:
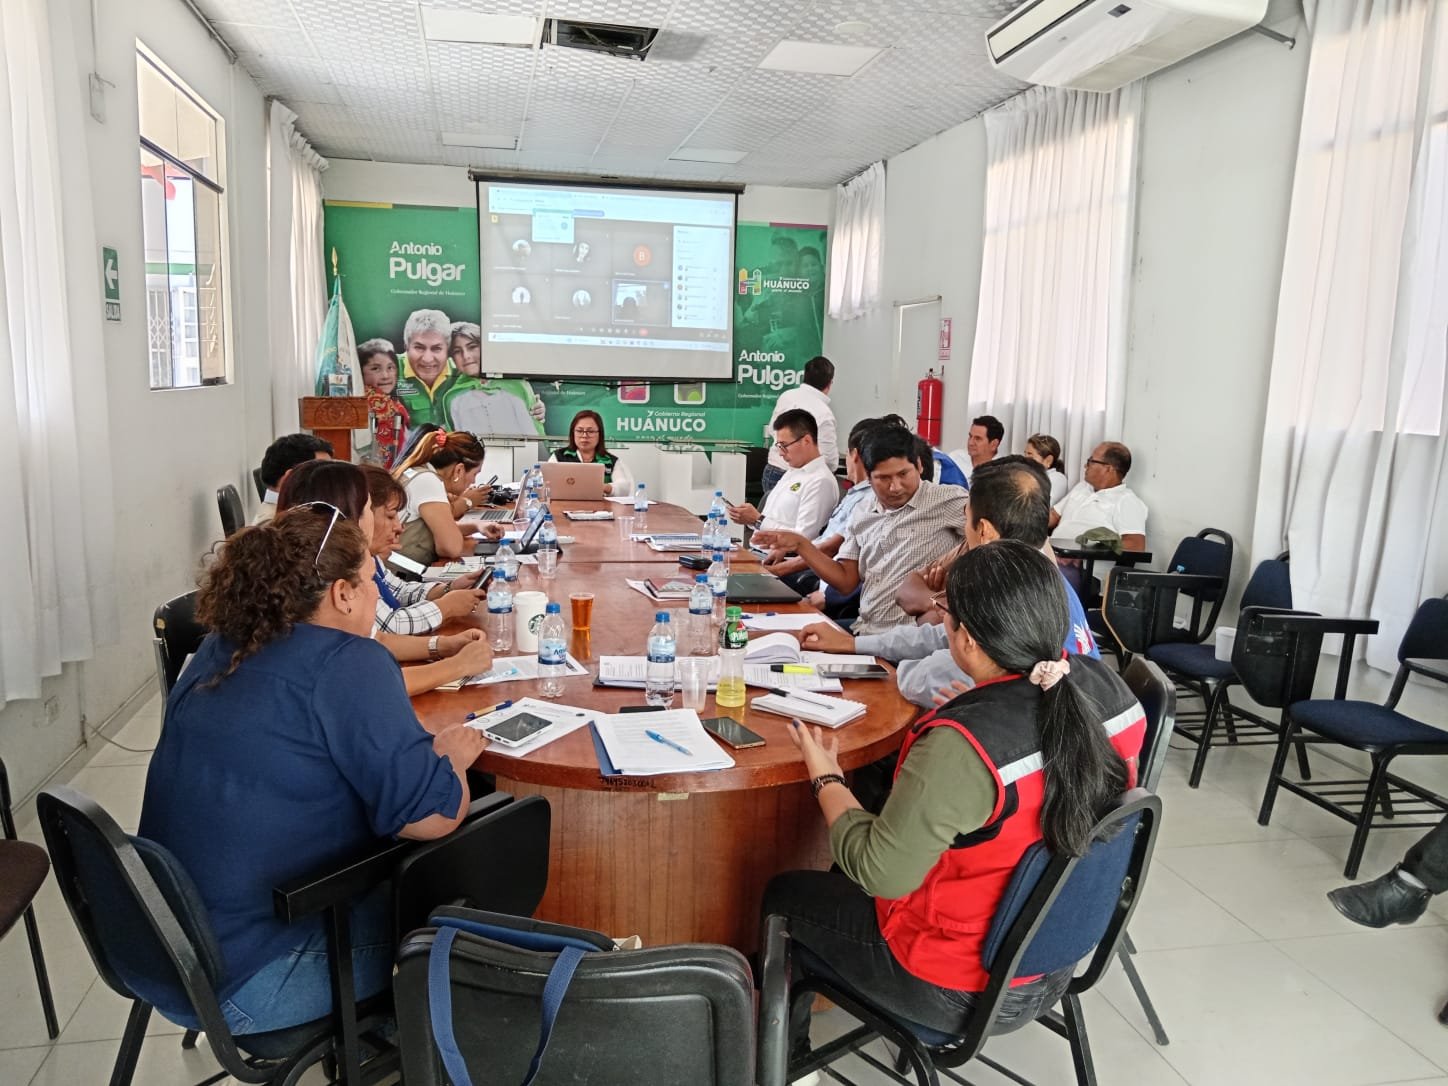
<point x="812" y="395"/>
<point x="806" y="493"/>
<point x="1103" y="500"/>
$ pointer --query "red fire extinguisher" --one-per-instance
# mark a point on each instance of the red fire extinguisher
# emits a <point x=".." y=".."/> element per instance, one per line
<point x="929" y="396"/>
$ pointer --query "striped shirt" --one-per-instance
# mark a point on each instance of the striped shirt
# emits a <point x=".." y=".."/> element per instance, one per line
<point x="889" y="544"/>
<point x="408" y="611"/>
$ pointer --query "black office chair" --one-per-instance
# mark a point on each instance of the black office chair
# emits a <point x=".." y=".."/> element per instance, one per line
<point x="1057" y="911"/>
<point x="175" y="636"/>
<point x="1157" y="695"/>
<point x="1140" y="609"/>
<point x="661" y="1016"/>
<point x="1288" y="666"/>
<point x="233" y="517"/>
<point x="257" y="482"/>
<point x="23" y="868"/>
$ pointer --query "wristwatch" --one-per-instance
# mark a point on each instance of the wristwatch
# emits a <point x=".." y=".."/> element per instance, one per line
<point x="432" y="650"/>
<point x="818" y="783"/>
<point x="467" y="501"/>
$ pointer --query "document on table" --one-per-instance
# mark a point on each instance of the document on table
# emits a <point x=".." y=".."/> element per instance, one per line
<point x="509" y="668"/>
<point x="768" y="620"/>
<point x="623" y="499"/>
<point x="631" y="670"/>
<point x="458" y="567"/>
<point x="565" y="718"/>
<point x="682" y="746"/>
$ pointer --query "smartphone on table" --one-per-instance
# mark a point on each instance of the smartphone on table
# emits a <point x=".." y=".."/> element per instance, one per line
<point x="517" y="729"/>
<point x="732" y="733"/>
<point x="852" y="671"/>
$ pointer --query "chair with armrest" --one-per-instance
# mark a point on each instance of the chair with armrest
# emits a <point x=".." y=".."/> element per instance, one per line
<point x="1056" y="912"/>
<point x="256" y="481"/>
<point x="145" y="926"/>
<point x="175" y="636"/>
<point x="1140" y="608"/>
<point x="1200" y="571"/>
<point x="23" y="869"/>
<point x="472" y="989"/>
<point x="1285" y="672"/>
<point x="228" y="503"/>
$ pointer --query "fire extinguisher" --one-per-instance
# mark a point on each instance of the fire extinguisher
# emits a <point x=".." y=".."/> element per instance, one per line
<point x="929" y="395"/>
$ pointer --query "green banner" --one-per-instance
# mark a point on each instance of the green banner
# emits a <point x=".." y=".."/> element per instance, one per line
<point x="396" y="259"/>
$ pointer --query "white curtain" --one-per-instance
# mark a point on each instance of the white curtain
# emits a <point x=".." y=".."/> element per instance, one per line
<point x="857" y="244"/>
<point x="1051" y="331"/>
<point x="1354" y="452"/>
<point x="57" y="529"/>
<point x="297" y="265"/>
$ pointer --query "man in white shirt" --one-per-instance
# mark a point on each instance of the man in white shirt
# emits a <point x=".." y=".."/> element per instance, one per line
<point x="1103" y="500"/>
<point x="807" y="492"/>
<point x="813" y="395"/>
<point x="983" y="443"/>
<point x="281" y="456"/>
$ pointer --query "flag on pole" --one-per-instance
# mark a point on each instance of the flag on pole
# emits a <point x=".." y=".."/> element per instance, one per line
<point x="338" y="373"/>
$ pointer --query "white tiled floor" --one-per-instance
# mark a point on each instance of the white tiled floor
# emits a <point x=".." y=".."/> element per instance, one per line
<point x="1256" y="977"/>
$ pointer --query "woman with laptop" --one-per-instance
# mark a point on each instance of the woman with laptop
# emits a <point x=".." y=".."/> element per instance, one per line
<point x="1034" y="751"/>
<point x="586" y="445"/>
<point x="437" y="476"/>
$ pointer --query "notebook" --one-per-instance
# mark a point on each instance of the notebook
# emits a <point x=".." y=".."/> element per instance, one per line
<point x="817" y="708"/>
<point x="670" y="588"/>
<point x="760" y="588"/>
<point x="672" y="741"/>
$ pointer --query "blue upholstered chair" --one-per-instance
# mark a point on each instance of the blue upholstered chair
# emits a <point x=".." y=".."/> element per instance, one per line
<point x="1140" y="609"/>
<point x="1379" y="731"/>
<point x="1056" y="912"/>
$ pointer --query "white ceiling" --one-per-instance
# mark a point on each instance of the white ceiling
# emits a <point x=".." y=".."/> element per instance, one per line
<point x="366" y="84"/>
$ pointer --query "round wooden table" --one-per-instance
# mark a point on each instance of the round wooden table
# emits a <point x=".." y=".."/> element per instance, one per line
<point x="680" y="858"/>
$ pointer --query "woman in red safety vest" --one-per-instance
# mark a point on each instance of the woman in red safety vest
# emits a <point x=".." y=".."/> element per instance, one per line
<point x="1035" y="750"/>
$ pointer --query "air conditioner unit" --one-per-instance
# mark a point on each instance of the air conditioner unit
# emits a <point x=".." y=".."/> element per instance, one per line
<point x="1100" y="45"/>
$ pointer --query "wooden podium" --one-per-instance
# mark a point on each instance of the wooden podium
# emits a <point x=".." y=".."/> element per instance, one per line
<point x="333" y="418"/>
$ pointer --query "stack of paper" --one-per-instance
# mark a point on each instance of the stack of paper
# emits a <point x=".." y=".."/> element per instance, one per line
<point x="675" y="541"/>
<point x="458" y="567"/>
<point x="588" y="514"/>
<point x="673" y="741"/>
<point x="817" y="709"/>
<point x="508" y="668"/>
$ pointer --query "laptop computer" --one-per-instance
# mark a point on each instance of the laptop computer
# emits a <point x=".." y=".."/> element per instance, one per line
<point x="574" y="482"/>
<point x="527" y="544"/>
<point x="760" y="588"/>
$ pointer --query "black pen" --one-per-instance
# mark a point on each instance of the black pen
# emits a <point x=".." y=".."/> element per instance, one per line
<point x="801" y="697"/>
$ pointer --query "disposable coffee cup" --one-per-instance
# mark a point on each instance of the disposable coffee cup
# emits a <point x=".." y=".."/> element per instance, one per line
<point x="528" y="608"/>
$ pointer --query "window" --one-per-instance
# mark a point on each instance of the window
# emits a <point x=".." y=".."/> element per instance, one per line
<point x="182" y="213"/>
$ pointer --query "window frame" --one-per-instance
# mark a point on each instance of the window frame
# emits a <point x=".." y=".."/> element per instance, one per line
<point x="216" y="183"/>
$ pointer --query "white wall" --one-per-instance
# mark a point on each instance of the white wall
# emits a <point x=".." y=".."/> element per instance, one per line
<point x="169" y="450"/>
<point x="1218" y="141"/>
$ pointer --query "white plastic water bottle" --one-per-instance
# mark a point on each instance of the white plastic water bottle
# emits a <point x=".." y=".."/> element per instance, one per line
<point x="718" y="507"/>
<point x="552" y="652"/>
<point x="641" y="509"/>
<point x="711" y="532"/>
<point x="659" y="678"/>
<point x="701" y="617"/>
<point x="532" y="507"/>
<point x="505" y="561"/>
<point x="500" y="611"/>
<point x="547" y="547"/>
<point x="719" y="586"/>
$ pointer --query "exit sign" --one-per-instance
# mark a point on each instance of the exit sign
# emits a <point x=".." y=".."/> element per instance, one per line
<point x="111" y="283"/>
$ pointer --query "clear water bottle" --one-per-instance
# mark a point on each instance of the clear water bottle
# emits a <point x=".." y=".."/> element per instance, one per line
<point x="500" y="612"/>
<point x="701" y="617"/>
<point x="718" y="576"/>
<point x="552" y="652"/>
<point x="547" y="547"/>
<point x="641" y="509"/>
<point x="711" y="532"/>
<point x="532" y="507"/>
<point x="719" y="507"/>
<point x="659" y="678"/>
<point x="505" y="561"/>
<point x="733" y="642"/>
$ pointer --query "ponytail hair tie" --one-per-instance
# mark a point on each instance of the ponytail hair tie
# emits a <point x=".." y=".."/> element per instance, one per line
<point x="441" y="439"/>
<point x="1048" y="673"/>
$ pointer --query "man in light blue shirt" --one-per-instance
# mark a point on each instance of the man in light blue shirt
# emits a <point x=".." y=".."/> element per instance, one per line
<point x="1009" y="499"/>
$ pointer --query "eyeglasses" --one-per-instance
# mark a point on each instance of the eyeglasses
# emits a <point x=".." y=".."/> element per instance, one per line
<point x="1103" y="463"/>
<point x="783" y="446"/>
<point x="336" y="513"/>
<point x="580" y="432"/>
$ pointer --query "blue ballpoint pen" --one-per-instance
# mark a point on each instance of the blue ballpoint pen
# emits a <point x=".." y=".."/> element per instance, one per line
<point x="657" y="738"/>
<point x="485" y="712"/>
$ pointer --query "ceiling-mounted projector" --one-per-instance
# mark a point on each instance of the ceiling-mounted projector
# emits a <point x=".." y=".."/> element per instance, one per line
<point x="1100" y="45"/>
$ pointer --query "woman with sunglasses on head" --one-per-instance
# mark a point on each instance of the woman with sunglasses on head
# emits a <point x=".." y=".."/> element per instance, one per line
<point x="438" y="475"/>
<point x="1035" y="751"/>
<point x="586" y="445"/>
<point x="340" y="487"/>
<point x="290" y="744"/>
